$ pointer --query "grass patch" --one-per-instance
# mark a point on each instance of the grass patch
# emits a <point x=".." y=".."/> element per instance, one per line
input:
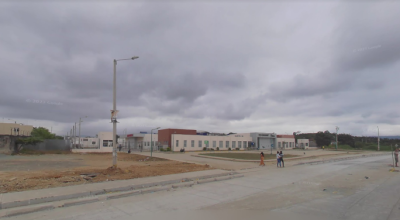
<point x="246" y="156"/>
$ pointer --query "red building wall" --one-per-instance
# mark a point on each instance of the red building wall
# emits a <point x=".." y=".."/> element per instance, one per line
<point x="284" y="136"/>
<point x="165" y="134"/>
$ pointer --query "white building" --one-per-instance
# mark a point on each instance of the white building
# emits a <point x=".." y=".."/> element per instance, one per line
<point x="198" y="142"/>
<point x="139" y="142"/>
<point x="286" y="141"/>
<point x="303" y="143"/>
<point x="101" y="144"/>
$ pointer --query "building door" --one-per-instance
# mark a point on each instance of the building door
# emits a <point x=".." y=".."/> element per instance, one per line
<point x="264" y="143"/>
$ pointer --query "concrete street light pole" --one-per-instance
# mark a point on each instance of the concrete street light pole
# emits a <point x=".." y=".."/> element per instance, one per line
<point x="114" y="111"/>
<point x="378" y="138"/>
<point x="337" y="129"/>
<point x="151" y="137"/>
<point x="75" y="134"/>
<point x="80" y="120"/>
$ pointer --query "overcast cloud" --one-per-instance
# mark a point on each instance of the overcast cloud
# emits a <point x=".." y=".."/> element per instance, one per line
<point x="222" y="67"/>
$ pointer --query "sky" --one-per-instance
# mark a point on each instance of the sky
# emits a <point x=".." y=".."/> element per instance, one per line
<point x="225" y="66"/>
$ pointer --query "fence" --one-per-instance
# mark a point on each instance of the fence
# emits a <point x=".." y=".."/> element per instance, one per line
<point x="50" y="145"/>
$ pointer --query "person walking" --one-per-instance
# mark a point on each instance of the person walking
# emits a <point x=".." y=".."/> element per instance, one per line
<point x="278" y="159"/>
<point x="262" y="159"/>
<point x="396" y="156"/>
<point x="281" y="154"/>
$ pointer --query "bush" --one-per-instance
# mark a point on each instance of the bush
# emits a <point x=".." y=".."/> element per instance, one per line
<point x="217" y="148"/>
<point x="162" y="149"/>
<point x="212" y="148"/>
<point x="204" y="148"/>
<point x="237" y="148"/>
<point x="169" y="149"/>
<point x="229" y="149"/>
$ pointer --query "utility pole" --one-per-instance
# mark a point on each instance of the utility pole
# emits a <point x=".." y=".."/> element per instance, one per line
<point x="337" y="129"/>
<point x="151" y="137"/>
<point x="114" y="111"/>
<point x="378" y="138"/>
<point x="80" y="120"/>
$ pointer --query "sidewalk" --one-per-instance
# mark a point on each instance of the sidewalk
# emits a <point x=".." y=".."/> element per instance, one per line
<point x="26" y="198"/>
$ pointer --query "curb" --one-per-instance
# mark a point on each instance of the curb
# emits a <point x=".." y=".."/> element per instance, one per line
<point x="140" y="187"/>
<point x="80" y="201"/>
<point x="271" y="160"/>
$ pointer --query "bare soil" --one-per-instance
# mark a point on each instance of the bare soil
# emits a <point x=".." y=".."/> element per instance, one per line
<point x="83" y="168"/>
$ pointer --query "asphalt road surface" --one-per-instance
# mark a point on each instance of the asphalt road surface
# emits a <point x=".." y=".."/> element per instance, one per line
<point x="353" y="189"/>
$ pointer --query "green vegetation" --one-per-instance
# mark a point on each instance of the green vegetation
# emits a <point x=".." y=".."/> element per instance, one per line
<point x="360" y="146"/>
<point x="38" y="135"/>
<point x="244" y="156"/>
<point x="349" y="142"/>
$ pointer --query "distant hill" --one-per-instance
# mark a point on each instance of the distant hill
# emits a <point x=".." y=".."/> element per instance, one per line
<point x="388" y="137"/>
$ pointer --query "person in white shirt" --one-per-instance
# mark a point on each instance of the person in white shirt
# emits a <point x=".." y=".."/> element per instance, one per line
<point x="278" y="159"/>
<point x="281" y="154"/>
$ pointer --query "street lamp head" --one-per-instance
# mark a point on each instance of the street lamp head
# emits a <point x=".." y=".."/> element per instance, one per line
<point x="158" y="128"/>
<point x="135" y="57"/>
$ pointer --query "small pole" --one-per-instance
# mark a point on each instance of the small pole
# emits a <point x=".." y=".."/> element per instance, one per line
<point x="391" y="148"/>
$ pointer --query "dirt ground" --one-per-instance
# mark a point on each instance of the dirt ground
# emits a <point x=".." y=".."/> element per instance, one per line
<point x="20" y="173"/>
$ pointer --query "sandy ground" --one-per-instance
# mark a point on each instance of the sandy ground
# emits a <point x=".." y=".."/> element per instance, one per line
<point x="22" y="173"/>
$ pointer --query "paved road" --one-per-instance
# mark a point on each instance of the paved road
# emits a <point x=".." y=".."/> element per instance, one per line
<point x="354" y="189"/>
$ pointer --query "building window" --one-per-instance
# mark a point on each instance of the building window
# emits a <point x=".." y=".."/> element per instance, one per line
<point x="107" y="143"/>
<point x="244" y="144"/>
<point x="93" y="142"/>
<point x="184" y="143"/>
<point x="177" y="143"/>
<point x="239" y="144"/>
<point x="192" y="143"/>
<point x="206" y="142"/>
<point x="234" y="144"/>
<point x="279" y="144"/>
<point x="200" y="144"/>
<point x="214" y="144"/>
<point x="227" y="144"/>
<point x="307" y="144"/>
<point x="221" y="144"/>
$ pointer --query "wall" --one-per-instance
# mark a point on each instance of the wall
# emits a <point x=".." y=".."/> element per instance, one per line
<point x="7" y="143"/>
<point x="90" y="142"/>
<point x="164" y="135"/>
<point x="105" y="136"/>
<point x="7" y="128"/>
<point x="101" y="150"/>
<point x="196" y="138"/>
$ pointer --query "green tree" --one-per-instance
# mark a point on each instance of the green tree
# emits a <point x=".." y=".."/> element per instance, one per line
<point x="346" y="139"/>
<point x="323" y="138"/>
<point x="38" y="135"/>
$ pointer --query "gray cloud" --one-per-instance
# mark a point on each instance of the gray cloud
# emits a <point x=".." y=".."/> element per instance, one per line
<point x="206" y="65"/>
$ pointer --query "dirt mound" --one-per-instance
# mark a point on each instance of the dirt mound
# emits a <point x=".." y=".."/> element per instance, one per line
<point x="21" y="181"/>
